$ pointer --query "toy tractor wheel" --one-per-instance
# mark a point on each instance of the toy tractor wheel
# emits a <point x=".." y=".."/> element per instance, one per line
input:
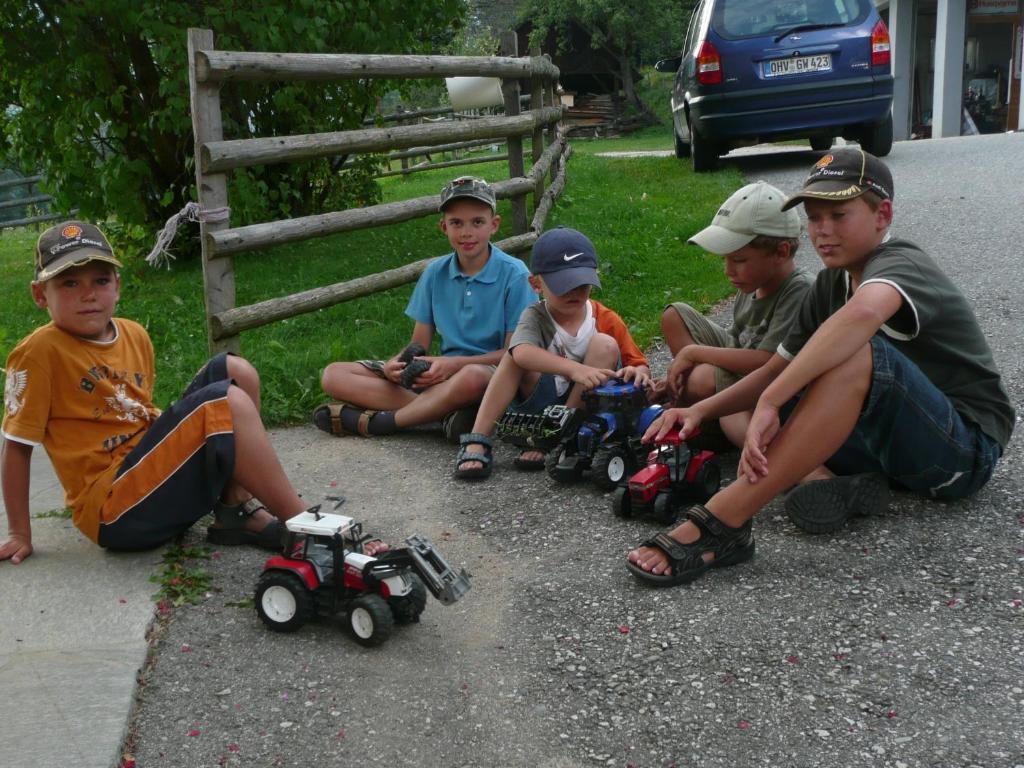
<point x="560" y="467"/>
<point x="708" y="480"/>
<point x="609" y="467"/>
<point x="622" y="505"/>
<point x="370" y="620"/>
<point x="664" y="511"/>
<point x="283" y="602"/>
<point x="407" y="608"/>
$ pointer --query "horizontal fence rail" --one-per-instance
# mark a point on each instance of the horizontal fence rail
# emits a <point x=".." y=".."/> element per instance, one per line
<point x="223" y="66"/>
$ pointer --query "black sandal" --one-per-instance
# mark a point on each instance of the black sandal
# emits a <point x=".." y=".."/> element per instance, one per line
<point x="231" y="531"/>
<point x="730" y="546"/>
<point x="465" y="455"/>
<point x="824" y="506"/>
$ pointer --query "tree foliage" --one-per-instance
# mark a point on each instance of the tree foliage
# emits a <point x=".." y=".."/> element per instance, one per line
<point x="101" y="98"/>
<point x="633" y="31"/>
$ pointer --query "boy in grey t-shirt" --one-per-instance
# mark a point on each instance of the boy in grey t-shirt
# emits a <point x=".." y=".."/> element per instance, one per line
<point x="895" y="382"/>
<point x="757" y="241"/>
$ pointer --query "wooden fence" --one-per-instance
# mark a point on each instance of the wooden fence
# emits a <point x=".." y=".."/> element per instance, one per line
<point x="34" y="200"/>
<point x="211" y="69"/>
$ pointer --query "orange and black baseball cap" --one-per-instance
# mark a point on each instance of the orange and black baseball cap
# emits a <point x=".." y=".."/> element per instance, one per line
<point x="71" y="244"/>
<point x="843" y="175"/>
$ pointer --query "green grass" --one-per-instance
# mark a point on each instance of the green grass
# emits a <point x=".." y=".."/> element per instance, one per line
<point x="638" y="211"/>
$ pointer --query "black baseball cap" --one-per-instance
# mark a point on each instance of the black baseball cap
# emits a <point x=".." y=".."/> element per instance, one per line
<point x="566" y="259"/>
<point x="467" y="187"/>
<point x="70" y="244"/>
<point x="843" y="175"/>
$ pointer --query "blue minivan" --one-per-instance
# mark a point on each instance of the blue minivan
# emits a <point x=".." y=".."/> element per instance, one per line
<point x="769" y="70"/>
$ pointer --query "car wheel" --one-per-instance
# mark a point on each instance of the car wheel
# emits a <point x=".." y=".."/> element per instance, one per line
<point x="709" y="480"/>
<point x="407" y="608"/>
<point x="703" y="153"/>
<point x="370" y="620"/>
<point x="682" y="147"/>
<point x="283" y="602"/>
<point x="559" y="467"/>
<point x="877" y="139"/>
<point x="621" y="503"/>
<point x="609" y="467"/>
<point x="663" y="510"/>
<point x="821" y="143"/>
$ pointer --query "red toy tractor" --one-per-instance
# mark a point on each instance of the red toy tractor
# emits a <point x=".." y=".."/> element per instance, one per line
<point x="674" y="476"/>
<point x="323" y="571"/>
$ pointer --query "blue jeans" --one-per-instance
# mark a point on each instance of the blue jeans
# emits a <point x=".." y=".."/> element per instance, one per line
<point x="909" y="431"/>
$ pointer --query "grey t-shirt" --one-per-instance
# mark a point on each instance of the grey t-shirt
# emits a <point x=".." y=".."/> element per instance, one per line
<point x="764" y="323"/>
<point x="935" y="327"/>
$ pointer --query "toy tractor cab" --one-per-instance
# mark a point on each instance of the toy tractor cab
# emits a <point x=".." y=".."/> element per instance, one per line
<point x="674" y="476"/>
<point x="324" y="571"/>
<point x="614" y="413"/>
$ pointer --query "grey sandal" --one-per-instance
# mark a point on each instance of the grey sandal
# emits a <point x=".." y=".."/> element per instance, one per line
<point x="230" y="529"/>
<point x="465" y="455"/>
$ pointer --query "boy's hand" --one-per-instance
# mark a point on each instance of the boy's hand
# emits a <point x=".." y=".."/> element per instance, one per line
<point x="687" y="419"/>
<point x="16" y="548"/>
<point x="393" y="370"/>
<point x="639" y="376"/>
<point x="588" y="377"/>
<point x="764" y="427"/>
<point x="679" y="372"/>
<point x="441" y="369"/>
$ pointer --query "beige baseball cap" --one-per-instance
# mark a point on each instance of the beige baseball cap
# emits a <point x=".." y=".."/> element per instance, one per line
<point x="753" y="210"/>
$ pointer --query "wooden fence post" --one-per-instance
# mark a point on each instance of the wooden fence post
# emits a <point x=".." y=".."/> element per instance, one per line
<point x="554" y="101"/>
<point x="516" y="166"/>
<point x="212" y="190"/>
<point x="536" y="102"/>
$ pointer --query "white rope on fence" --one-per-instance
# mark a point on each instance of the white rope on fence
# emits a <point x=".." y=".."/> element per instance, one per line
<point x="161" y="254"/>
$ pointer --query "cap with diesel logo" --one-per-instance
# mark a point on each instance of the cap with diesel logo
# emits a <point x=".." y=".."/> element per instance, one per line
<point x="566" y="259"/>
<point x="70" y="244"/>
<point x="467" y="187"/>
<point x="753" y="210"/>
<point x="843" y="175"/>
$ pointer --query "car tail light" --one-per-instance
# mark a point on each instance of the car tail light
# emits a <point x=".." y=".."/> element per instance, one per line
<point x="709" y="63"/>
<point x="880" y="45"/>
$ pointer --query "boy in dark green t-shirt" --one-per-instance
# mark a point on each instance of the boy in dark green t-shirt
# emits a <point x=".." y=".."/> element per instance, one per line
<point x="894" y="379"/>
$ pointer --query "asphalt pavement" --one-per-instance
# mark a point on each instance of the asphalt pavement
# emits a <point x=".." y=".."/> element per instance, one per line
<point x="897" y="642"/>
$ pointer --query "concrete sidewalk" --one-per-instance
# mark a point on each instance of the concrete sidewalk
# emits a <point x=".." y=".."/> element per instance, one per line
<point x="73" y="622"/>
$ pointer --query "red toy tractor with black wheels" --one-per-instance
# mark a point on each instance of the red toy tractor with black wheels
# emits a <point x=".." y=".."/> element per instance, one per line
<point x="675" y="475"/>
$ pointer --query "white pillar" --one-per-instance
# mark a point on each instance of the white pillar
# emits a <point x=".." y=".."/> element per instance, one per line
<point x="1020" y="100"/>
<point x="947" y="98"/>
<point x="902" y="31"/>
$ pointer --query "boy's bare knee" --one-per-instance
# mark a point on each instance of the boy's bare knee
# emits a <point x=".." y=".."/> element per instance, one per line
<point x="243" y="372"/>
<point x="603" y="351"/>
<point x="671" y="322"/>
<point x="471" y="381"/>
<point x="701" y="382"/>
<point x="239" y="402"/>
<point x="334" y="373"/>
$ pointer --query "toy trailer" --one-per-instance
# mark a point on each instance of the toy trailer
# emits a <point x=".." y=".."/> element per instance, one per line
<point x="324" y="571"/>
<point x="674" y="476"/>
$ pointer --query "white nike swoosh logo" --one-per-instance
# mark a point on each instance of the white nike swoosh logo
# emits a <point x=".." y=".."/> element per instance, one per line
<point x="570" y="258"/>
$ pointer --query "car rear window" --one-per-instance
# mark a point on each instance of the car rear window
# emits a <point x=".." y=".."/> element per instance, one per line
<point x="754" y="18"/>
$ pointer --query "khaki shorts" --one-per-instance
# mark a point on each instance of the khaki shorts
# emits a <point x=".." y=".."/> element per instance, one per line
<point x="708" y="334"/>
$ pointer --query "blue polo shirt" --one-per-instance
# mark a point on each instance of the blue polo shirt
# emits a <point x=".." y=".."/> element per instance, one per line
<point x="472" y="313"/>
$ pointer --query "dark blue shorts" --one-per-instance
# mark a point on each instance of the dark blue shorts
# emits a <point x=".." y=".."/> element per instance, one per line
<point x="543" y="395"/>
<point x="176" y="473"/>
<point x="910" y="431"/>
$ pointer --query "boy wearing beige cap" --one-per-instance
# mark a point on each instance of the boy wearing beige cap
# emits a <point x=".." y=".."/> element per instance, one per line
<point x="757" y="241"/>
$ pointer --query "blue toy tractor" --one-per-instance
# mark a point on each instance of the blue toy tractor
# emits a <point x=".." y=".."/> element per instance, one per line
<point x="615" y="415"/>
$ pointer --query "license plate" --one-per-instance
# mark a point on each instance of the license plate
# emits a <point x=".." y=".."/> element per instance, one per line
<point x="797" y="65"/>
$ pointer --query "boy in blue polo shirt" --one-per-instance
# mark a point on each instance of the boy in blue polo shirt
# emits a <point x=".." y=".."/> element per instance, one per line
<point x="473" y="297"/>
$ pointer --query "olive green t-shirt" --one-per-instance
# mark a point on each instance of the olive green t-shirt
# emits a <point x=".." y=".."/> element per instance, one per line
<point x="764" y="323"/>
<point x="935" y="328"/>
